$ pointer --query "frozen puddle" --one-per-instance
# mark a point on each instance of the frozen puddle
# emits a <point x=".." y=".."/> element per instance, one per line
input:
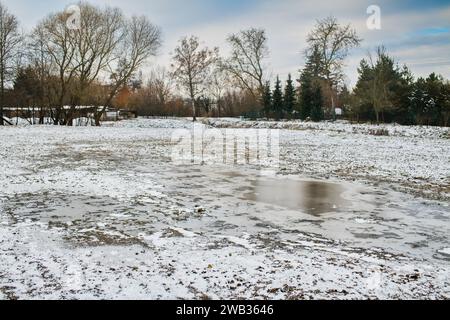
<point x="240" y="201"/>
<point x="313" y="197"/>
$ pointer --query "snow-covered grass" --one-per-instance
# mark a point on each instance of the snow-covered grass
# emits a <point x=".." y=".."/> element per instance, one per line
<point x="338" y="127"/>
<point x="170" y="123"/>
<point x="89" y="212"/>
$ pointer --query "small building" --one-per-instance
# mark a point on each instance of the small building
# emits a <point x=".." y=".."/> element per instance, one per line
<point x="126" y="114"/>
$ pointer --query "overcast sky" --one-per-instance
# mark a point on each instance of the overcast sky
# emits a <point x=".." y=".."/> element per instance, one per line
<point x="415" y="32"/>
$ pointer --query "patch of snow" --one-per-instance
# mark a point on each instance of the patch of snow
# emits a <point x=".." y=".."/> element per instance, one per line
<point x="445" y="251"/>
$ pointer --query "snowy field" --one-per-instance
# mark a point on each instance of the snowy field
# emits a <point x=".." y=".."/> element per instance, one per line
<point x="354" y="212"/>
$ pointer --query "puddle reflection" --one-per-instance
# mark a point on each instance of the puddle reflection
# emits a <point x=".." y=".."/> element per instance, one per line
<point x="312" y="197"/>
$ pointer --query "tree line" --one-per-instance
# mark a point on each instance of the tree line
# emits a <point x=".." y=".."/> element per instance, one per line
<point x="385" y="91"/>
<point x="56" y="69"/>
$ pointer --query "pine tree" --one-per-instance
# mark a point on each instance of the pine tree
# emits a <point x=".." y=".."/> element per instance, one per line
<point x="402" y="91"/>
<point x="317" y="113"/>
<point x="435" y="85"/>
<point x="378" y="84"/>
<point x="289" y="96"/>
<point x="418" y="100"/>
<point x="429" y="100"/>
<point x="305" y="96"/>
<point x="278" y="100"/>
<point x="445" y="98"/>
<point x="267" y="99"/>
<point x="311" y="99"/>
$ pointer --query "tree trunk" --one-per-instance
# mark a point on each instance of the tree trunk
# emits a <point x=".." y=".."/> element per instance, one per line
<point x="194" y="111"/>
<point x="41" y="115"/>
<point x="69" y="117"/>
<point x="333" y="102"/>
<point x="97" y="120"/>
<point x="98" y="116"/>
<point x="57" y="117"/>
<point x="2" y="96"/>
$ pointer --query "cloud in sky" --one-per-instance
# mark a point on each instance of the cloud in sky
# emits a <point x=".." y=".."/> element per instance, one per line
<point x="415" y="32"/>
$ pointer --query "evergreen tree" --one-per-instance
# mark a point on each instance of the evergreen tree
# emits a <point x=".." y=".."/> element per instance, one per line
<point x="289" y="96"/>
<point x="311" y="100"/>
<point x="305" y="96"/>
<point x="317" y="113"/>
<point x="434" y="86"/>
<point x="314" y="66"/>
<point x="402" y="90"/>
<point x="382" y="85"/>
<point x="429" y="101"/>
<point x="419" y="100"/>
<point x="445" y="98"/>
<point x="267" y="99"/>
<point x="278" y="100"/>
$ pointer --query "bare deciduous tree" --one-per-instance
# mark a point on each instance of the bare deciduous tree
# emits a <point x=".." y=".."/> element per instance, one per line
<point x="42" y="63"/>
<point x="141" y="40"/>
<point x="246" y="64"/>
<point x="333" y="42"/>
<point x="10" y="39"/>
<point x="161" y="81"/>
<point x="219" y="85"/>
<point x="59" y="45"/>
<point x="105" y="44"/>
<point x="192" y="67"/>
<point x="99" y="35"/>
